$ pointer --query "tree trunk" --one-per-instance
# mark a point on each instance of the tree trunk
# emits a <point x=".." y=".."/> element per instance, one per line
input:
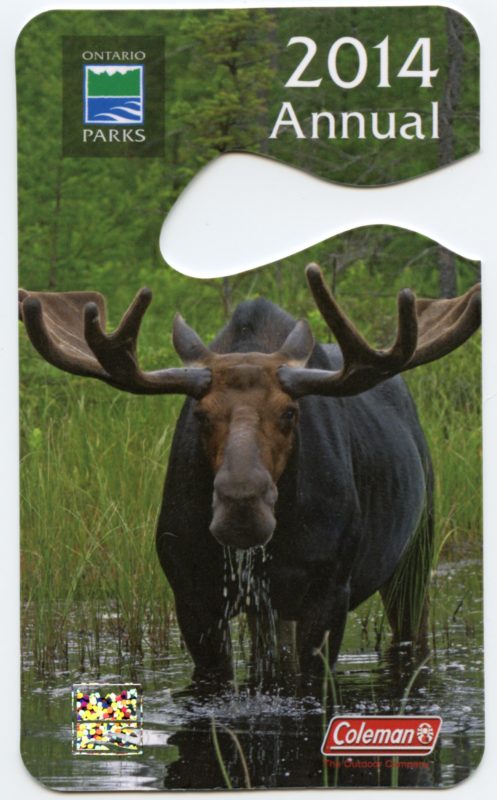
<point x="448" y="106"/>
<point x="227" y="296"/>
<point x="447" y="272"/>
<point x="54" y="238"/>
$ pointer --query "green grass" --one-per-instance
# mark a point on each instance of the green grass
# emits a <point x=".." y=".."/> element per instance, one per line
<point x="448" y="398"/>
<point x="92" y="470"/>
<point x="219" y="755"/>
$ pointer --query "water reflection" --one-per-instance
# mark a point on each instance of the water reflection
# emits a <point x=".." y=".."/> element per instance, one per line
<point x="285" y="757"/>
<point x="280" y="736"/>
<point x="279" y="732"/>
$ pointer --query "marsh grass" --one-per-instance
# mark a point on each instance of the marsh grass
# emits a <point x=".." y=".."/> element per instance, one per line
<point x="219" y="755"/>
<point x="92" y="468"/>
<point x="401" y="712"/>
<point x="328" y="685"/>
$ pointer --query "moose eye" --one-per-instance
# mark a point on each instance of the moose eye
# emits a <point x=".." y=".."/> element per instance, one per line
<point x="201" y="415"/>
<point x="288" y="415"/>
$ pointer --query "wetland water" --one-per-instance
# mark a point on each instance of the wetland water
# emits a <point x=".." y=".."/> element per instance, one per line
<point x="280" y="735"/>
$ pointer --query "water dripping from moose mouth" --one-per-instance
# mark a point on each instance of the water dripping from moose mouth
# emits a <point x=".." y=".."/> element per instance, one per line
<point x="246" y="591"/>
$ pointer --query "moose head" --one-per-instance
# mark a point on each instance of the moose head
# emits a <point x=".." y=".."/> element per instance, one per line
<point x="246" y="403"/>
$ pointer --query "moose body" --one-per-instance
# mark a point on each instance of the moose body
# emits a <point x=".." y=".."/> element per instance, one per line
<point x="350" y="500"/>
<point x="311" y="455"/>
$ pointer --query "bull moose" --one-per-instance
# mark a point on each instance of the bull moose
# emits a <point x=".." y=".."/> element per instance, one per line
<point x="311" y="455"/>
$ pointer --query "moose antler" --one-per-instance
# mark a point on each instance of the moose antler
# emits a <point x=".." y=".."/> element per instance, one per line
<point x="68" y="330"/>
<point x="427" y="330"/>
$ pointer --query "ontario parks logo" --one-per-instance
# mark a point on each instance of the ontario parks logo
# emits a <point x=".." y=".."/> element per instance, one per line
<point x="113" y="94"/>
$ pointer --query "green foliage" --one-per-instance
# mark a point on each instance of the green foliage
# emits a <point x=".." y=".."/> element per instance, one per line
<point x="91" y="484"/>
<point x="93" y="223"/>
<point x="220" y="100"/>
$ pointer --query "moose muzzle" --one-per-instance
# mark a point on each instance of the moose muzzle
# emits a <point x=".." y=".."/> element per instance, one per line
<point x="243" y="510"/>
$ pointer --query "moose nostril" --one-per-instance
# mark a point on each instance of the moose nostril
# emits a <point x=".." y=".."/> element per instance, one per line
<point x="236" y="494"/>
<point x="256" y="487"/>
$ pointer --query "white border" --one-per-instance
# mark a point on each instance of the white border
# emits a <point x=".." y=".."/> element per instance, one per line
<point x="16" y="782"/>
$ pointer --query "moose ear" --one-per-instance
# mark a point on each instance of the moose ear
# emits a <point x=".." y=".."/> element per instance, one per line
<point x="298" y="346"/>
<point x="188" y="344"/>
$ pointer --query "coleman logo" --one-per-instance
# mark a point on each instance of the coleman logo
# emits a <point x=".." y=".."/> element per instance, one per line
<point x="389" y="736"/>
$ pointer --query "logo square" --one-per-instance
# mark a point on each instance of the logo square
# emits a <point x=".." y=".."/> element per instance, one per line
<point x="107" y="81"/>
<point x="113" y="94"/>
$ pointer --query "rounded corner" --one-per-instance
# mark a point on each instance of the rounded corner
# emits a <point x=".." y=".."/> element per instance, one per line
<point x="34" y="777"/>
<point x="471" y="775"/>
<point x="27" y="25"/>
<point x="466" y="19"/>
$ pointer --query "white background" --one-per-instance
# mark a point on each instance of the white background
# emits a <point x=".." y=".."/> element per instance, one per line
<point x="456" y="207"/>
